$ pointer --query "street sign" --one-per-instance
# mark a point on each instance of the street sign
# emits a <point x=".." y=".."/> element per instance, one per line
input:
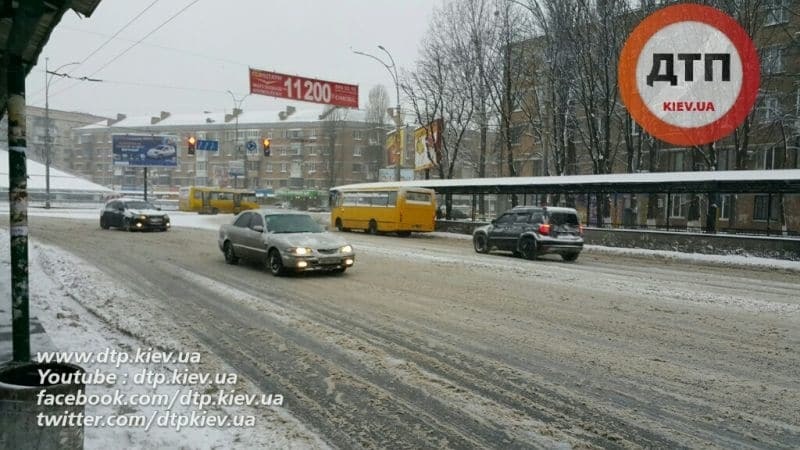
<point x="208" y="145"/>
<point x="689" y="74"/>
<point x="251" y="146"/>
<point x="304" y="89"/>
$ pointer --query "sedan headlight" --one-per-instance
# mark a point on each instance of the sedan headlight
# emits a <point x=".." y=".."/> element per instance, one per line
<point x="142" y="217"/>
<point x="300" y="251"/>
<point x="346" y="249"/>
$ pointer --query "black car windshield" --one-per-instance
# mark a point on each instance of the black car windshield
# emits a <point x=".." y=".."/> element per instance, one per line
<point x="139" y="205"/>
<point x="292" y="223"/>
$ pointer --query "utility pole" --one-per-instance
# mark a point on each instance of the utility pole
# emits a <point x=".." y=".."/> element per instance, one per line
<point x="237" y="109"/>
<point x="397" y="116"/>
<point x="47" y="158"/>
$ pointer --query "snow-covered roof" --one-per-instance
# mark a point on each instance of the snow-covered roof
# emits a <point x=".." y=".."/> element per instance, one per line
<point x="787" y="180"/>
<point x="203" y="120"/>
<point x="59" y="180"/>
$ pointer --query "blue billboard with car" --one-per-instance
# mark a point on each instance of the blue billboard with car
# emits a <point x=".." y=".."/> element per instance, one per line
<point x="144" y="150"/>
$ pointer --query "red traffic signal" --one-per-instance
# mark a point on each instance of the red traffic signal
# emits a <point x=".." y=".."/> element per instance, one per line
<point x="191" y="144"/>
<point x="265" y="144"/>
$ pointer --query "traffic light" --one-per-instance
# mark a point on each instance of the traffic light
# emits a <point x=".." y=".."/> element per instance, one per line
<point x="191" y="143"/>
<point x="265" y="143"/>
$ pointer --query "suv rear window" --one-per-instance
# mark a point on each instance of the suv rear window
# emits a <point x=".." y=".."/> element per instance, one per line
<point x="562" y="218"/>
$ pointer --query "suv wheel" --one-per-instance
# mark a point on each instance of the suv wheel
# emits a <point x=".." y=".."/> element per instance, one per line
<point x="481" y="243"/>
<point x="275" y="263"/>
<point x="570" y="256"/>
<point x="527" y="247"/>
<point x="103" y="223"/>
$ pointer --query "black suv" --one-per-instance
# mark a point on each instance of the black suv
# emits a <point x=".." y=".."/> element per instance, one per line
<point x="531" y="231"/>
<point x="132" y="214"/>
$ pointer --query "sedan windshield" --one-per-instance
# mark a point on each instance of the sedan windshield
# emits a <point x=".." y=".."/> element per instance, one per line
<point x="139" y="205"/>
<point x="292" y="223"/>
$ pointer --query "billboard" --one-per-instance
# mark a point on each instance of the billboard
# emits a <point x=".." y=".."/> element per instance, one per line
<point x="293" y="87"/>
<point x="144" y="151"/>
<point x="393" y="147"/>
<point x="427" y="145"/>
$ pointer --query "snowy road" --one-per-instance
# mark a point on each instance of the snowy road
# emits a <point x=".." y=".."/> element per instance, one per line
<point x="425" y="343"/>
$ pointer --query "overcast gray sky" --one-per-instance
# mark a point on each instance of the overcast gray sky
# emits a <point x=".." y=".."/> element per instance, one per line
<point x="188" y="65"/>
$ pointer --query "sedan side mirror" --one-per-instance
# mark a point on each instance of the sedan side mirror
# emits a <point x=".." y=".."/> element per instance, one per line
<point x="258" y="228"/>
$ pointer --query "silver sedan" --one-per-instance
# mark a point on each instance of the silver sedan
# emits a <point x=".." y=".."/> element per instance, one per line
<point x="286" y="241"/>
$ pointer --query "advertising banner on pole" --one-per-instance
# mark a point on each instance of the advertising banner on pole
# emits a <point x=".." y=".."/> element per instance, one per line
<point x="394" y="146"/>
<point x="144" y="151"/>
<point x="427" y="145"/>
<point x="293" y="87"/>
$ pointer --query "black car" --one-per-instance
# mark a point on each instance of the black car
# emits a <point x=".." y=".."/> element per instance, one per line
<point x="133" y="215"/>
<point x="533" y="231"/>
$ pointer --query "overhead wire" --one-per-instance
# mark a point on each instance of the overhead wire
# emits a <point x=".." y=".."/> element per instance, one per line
<point x="107" y="41"/>
<point x="119" y="55"/>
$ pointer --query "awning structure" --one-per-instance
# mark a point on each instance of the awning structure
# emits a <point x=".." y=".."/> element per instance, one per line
<point x="25" y="28"/>
<point x="721" y="182"/>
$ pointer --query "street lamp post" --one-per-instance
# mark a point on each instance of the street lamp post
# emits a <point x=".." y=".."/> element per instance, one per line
<point x="398" y="120"/>
<point x="47" y="159"/>
<point x="237" y="108"/>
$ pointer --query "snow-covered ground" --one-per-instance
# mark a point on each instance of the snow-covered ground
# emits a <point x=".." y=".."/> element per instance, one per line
<point x="82" y="309"/>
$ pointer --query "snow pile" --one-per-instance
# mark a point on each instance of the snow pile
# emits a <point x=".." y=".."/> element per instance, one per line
<point x="84" y="310"/>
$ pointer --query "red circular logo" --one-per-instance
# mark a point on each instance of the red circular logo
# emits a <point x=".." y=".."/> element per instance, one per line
<point x="689" y="74"/>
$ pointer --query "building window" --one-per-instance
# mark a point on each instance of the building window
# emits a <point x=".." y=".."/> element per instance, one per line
<point x="676" y="161"/>
<point x="358" y="135"/>
<point x="357" y="151"/>
<point x="357" y="168"/>
<point x="297" y="149"/>
<point x="268" y="167"/>
<point x="761" y="206"/>
<point x="295" y="134"/>
<point x="775" y="12"/>
<point x="770" y="109"/>
<point x="284" y="167"/>
<point x="677" y="206"/>
<point x="312" y="150"/>
<point x="283" y="151"/>
<point x="772" y="60"/>
<point x="725" y="207"/>
<point x="311" y="167"/>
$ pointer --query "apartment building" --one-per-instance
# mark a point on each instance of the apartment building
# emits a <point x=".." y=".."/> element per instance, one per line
<point x="309" y="150"/>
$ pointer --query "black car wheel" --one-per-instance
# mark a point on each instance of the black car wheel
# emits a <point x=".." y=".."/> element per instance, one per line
<point x="481" y="243"/>
<point x="570" y="256"/>
<point x="275" y="263"/>
<point x="103" y="223"/>
<point x="230" y="256"/>
<point x="528" y="248"/>
<point x="127" y="225"/>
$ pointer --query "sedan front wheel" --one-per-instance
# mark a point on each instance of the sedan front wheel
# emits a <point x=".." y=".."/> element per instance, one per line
<point x="275" y="263"/>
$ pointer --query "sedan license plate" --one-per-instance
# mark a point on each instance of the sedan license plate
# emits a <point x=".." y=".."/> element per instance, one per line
<point x="329" y="261"/>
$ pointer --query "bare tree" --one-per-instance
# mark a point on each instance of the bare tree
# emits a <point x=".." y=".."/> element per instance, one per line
<point x="377" y="104"/>
<point x="333" y="122"/>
